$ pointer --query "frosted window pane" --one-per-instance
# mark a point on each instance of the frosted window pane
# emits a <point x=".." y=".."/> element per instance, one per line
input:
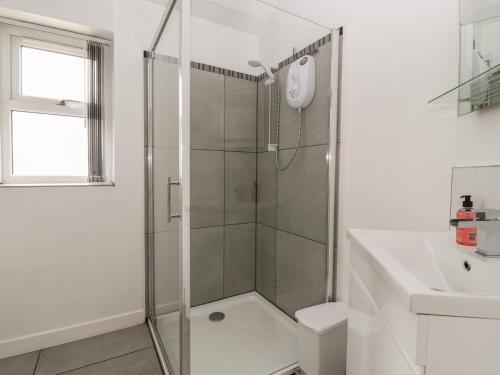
<point x="52" y="75"/>
<point x="48" y="145"/>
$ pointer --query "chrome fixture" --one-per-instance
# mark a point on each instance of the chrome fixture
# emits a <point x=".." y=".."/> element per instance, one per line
<point x="300" y="89"/>
<point x="487" y="222"/>
<point x="170" y="215"/>
<point x="216" y="316"/>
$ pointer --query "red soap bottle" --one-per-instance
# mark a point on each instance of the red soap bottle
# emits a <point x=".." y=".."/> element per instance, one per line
<point x="466" y="236"/>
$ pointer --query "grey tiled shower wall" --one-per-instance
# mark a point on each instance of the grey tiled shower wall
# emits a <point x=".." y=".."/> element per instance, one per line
<point x="254" y="227"/>
<point x="223" y="185"/>
<point x="292" y="209"/>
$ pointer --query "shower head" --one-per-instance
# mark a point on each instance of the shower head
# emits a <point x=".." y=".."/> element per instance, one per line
<point x="258" y="64"/>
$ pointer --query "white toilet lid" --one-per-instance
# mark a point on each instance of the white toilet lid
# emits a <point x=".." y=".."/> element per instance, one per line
<point x="323" y="318"/>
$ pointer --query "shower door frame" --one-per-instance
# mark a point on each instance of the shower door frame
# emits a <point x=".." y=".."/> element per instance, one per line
<point x="334" y="285"/>
<point x="333" y="156"/>
<point x="184" y="182"/>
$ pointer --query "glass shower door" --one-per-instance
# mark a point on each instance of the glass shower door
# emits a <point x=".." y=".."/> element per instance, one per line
<point x="168" y="239"/>
<point x="233" y="259"/>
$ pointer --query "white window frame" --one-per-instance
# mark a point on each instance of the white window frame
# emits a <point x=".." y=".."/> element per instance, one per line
<point x="12" y="39"/>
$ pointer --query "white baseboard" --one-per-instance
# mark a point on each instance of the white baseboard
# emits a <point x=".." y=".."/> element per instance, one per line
<point x="63" y="335"/>
<point x="166" y="308"/>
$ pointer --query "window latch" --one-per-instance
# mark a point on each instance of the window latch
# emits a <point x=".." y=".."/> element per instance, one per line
<point x="68" y="103"/>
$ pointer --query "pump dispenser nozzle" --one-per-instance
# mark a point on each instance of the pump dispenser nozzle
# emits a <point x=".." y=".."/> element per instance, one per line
<point x="467" y="203"/>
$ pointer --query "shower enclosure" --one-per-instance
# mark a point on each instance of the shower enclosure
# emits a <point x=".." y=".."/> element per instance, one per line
<point x="237" y="243"/>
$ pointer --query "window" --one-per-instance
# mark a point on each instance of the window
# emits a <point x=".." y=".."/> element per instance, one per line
<point x="55" y="108"/>
<point x="52" y="75"/>
<point x="48" y="145"/>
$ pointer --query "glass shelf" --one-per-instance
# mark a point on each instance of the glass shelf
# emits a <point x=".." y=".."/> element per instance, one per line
<point x="480" y="91"/>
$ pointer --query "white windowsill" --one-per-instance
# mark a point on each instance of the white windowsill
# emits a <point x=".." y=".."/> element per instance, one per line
<point x="65" y="184"/>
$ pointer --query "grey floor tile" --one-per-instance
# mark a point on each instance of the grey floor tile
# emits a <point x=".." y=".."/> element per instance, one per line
<point x="85" y="352"/>
<point x="303" y="194"/>
<point x="301" y="267"/>
<point x="207" y="245"/>
<point x="207" y="110"/>
<point x="266" y="262"/>
<point x="240" y="114"/>
<point x="23" y="364"/>
<point x="142" y="362"/>
<point x="240" y="187"/>
<point x="316" y="117"/>
<point x="239" y="259"/>
<point x="207" y="188"/>
<point x="266" y="189"/>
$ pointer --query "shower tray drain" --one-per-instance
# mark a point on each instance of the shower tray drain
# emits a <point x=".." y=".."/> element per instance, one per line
<point x="216" y="316"/>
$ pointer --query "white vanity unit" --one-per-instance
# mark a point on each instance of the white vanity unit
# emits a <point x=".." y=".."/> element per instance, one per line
<point x="421" y="304"/>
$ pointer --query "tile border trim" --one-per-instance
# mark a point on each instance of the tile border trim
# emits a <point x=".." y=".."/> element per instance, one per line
<point x="209" y="68"/>
<point x="311" y="48"/>
<point x="223" y="71"/>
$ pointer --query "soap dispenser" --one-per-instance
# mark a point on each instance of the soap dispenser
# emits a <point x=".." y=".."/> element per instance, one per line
<point x="466" y="236"/>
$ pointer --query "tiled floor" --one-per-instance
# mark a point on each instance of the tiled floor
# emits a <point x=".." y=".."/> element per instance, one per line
<point x="126" y="352"/>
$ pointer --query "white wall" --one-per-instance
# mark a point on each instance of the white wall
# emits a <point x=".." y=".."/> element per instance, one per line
<point x="212" y="43"/>
<point x="72" y="258"/>
<point x="283" y="33"/>
<point x="222" y="46"/>
<point x="398" y="151"/>
<point x="239" y="22"/>
<point x="477" y="139"/>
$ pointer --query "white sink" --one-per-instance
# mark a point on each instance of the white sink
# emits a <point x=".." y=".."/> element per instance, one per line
<point x="420" y="303"/>
<point x="430" y="272"/>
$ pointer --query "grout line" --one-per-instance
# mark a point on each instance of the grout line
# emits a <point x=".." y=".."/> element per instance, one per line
<point x="256" y="186"/>
<point x="37" y="360"/>
<point x="242" y="151"/>
<point x="295" y="364"/>
<point x="221" y="299"/>
<point x="206" y="149"/>
<point x="218" y="150"/>
<point x="104" y="360"/>
<point x="293" y="234"/>
<point x="276" y="173"/>
<point x="275" y="304"/>
<point x="225" y="192"/>
<point x="293" y="148"/>
<point x="224" y="225"/>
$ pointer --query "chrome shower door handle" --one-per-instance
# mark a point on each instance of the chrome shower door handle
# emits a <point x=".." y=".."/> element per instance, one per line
<point x="170" y="215"/>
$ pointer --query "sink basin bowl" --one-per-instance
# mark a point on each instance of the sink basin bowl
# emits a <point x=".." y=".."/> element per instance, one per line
<point x="433" y="273"/>
<point x="421" y="304"/>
